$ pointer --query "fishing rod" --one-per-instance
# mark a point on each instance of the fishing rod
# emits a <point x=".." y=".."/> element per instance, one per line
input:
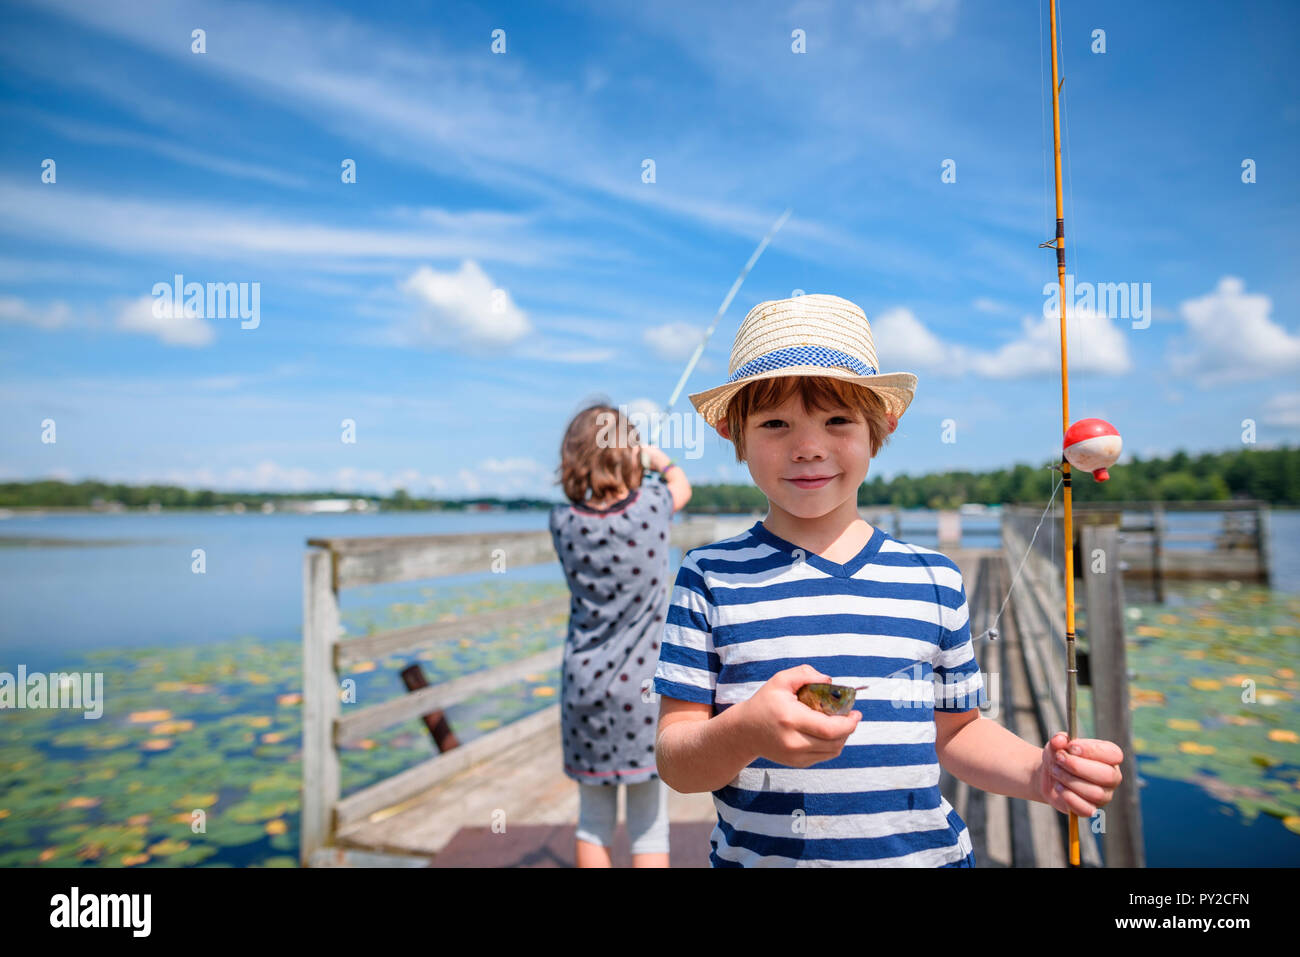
<point x="1090" y="445"/>
<point x="731" y="294"/>
<point x="1071" y="670"/>
<point x="699" y="349"/>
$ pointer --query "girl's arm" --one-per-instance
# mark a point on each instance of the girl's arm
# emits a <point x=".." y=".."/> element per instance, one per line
<point x="680" y="487"/>
<point x="674" y="478"/>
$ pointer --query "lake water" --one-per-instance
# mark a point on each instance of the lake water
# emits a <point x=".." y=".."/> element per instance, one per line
<point x="125" y="580"/>
<point x="122" y="581"/>
<point x="136" y="588"/>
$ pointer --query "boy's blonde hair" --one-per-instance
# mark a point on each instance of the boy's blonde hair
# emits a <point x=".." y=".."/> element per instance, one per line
<point x="815" y="392"/>
<point x="588" y="461"/>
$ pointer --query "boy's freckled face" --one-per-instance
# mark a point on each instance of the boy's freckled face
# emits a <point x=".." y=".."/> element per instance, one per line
<point x="787" y="444"/>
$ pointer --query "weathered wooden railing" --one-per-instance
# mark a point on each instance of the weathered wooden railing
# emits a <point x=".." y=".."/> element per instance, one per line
<point x="1237" y="549"/>
<point x="1038" y="603"/>
<point x="333" y="564"/>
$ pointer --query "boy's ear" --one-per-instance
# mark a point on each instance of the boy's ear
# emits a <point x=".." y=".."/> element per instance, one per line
<point x="893" y="422"/>
<point x="724" y="429"/>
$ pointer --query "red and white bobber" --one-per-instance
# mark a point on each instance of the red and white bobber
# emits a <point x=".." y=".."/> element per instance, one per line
<point x="1093" y="445"/>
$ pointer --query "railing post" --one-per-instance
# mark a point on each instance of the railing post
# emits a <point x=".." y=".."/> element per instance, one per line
<point x="320" y="705"/>
<point x="1158" y="550"/>
<point x="949" y="530"/>
<point x="1261" y="543"/>
<point x="1107" y="662"/>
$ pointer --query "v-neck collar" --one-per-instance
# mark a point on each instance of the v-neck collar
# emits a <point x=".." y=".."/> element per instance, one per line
<point x="847" y="570"/>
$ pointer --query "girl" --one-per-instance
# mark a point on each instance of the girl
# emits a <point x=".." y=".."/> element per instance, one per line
<point x="613" y="540"/>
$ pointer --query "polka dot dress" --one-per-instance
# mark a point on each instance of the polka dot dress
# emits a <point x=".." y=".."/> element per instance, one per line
<point x="616" y="563"/>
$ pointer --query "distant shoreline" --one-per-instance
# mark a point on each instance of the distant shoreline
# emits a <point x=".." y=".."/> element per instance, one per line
<point x="29" y="511"/>
<point x="15" y="511"/>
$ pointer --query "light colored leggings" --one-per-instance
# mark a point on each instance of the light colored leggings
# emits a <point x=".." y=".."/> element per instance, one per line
<point x="647" y="815"/>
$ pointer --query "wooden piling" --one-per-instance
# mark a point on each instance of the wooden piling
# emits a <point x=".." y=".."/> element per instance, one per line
<point x="1261" y="543"/>
<point x="1104" y="597"/>
<point x="1158" y="550"/>
<point x="435" y="721"/>
<point x="320" y="705"/>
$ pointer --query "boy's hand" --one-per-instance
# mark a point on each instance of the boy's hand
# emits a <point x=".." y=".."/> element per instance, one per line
<point x="1086" y="781"/>
<point x="785" y="730"/>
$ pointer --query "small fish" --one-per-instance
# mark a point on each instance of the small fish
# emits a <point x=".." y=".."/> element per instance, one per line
<point x="828" y="699"/>
<point x="838" y="699"/>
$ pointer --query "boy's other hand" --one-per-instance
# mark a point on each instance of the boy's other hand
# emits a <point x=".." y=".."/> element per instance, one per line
<point x="1078" y="782"/>
<point x="786" y="730"/>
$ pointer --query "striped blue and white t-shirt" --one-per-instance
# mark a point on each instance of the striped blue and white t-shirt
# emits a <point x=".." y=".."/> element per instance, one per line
<point x="755" y="604"/>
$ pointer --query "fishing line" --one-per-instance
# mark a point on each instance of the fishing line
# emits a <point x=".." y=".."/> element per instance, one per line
<point x="1072" y="314"/>
<point x="991" y="633"/>
<point x="1042" y="103"/>
<point x="1052" y="499"/>
<point x="1069" y="161"/>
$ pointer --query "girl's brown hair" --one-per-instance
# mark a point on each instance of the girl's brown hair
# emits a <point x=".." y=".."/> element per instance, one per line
<point x="591" y="458"/>
<point x="815" y="392"/>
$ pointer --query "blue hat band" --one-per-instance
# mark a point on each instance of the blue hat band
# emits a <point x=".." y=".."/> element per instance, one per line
<point x="801" y="356"/>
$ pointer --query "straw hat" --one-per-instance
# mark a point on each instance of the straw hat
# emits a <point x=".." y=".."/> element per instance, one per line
<point x="816" y="334"/>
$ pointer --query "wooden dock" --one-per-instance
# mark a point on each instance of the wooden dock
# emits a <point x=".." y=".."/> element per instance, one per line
<point x="504" y="793"/>
<point x="502" y="800"/>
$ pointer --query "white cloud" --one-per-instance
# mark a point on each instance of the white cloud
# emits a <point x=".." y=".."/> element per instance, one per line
<point x="984" y="304"/>
<point x="53" y="316"/>
<point x="673" y="341"/>
<point x="1232" y="337"/>
<point x="903" y="343"/>
<point x="464" y="306"/>
<point x="1283" y="410"/>
<point x="523" y="477"/>
<point x="1093" y="342"/>
<point x="14" y="269"/>
<point x="646" y="416"/>
<point x="173" y="227"/>
<point x="470" y="481"/>
<point x="507" y="466"/>
<point x="419" y="101"/>
<point x="270" y="476"/>
<point x="179" y="330"/>
<point x="439" y="105"/>
<point x="203" y="159"/>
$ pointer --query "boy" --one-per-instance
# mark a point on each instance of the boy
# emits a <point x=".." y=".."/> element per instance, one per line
<point x="815" y="594"/>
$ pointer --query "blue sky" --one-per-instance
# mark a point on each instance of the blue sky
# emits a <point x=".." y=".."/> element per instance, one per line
<point x="522" y="173"/>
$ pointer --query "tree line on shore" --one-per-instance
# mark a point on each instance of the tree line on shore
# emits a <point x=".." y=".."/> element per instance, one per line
<point x="1270" y="475"/>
